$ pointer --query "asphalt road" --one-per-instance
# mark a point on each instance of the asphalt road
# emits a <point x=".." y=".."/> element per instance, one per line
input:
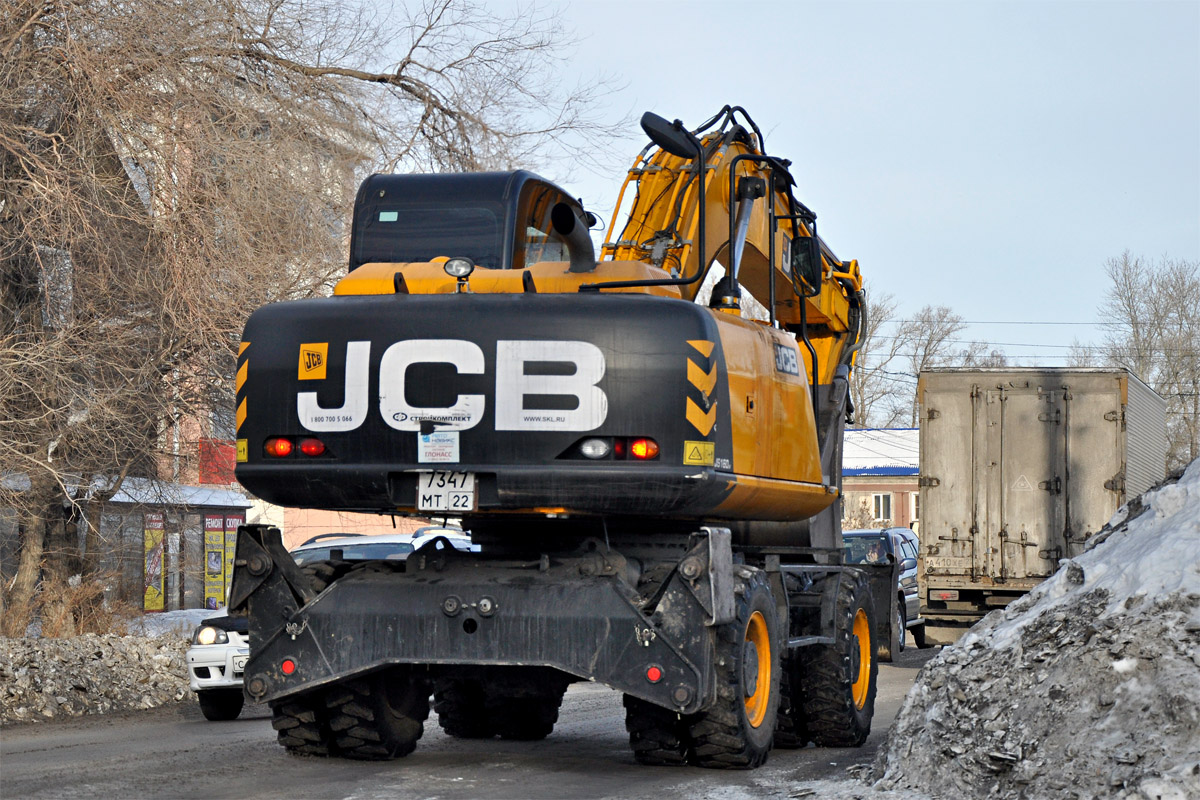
<point x="174" y="753"/>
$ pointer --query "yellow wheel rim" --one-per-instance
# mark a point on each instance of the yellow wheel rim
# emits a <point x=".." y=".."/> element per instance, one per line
<point x="757" y="698"/>
<point x="861" y="646"/>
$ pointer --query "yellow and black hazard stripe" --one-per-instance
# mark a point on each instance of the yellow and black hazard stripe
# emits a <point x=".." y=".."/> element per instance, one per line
<point x="705" y="441"/>
<point x="242" y="371"/>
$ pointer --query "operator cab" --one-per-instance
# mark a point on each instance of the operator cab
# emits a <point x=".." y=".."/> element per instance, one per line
<point x="499" y="220"/>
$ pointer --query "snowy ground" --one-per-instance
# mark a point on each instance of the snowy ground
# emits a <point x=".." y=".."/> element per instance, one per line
<point x="1087" y="687"/>
<point x="171" y="623"/>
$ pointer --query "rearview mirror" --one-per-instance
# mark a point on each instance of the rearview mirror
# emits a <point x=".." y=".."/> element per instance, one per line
<point x="806" y="259"/>
<point x="671" y="136"/>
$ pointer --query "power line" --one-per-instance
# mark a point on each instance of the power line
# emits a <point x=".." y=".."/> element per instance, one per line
<point x="985" y="343"/>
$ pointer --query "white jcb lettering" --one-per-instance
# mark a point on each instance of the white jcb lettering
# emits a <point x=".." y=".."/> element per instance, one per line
<point x="467" y="409"/>
<point x="354" y="408"/>
<point x="512" y="385"/>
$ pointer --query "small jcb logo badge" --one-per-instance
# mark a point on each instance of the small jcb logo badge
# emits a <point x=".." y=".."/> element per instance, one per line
<point x="313" y="358"/>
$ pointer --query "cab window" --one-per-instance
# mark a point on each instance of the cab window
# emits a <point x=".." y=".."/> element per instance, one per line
<point x="536" y="238"/>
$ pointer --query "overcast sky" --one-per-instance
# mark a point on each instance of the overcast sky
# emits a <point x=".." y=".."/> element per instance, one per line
<point x="987" y="156"/>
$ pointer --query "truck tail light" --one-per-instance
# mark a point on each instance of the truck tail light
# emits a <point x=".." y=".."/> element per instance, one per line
<point x="644" y="449"/>
<point x="279" y="447"/>
<point x="312" y="447"/>
<point x="943" y="594"/>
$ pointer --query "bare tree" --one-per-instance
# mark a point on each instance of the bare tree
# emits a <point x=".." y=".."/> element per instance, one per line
<point x="928" y="340"/>
<point x="1082" y="355"/>
<point x="1153" y="313"/>
<point x="167" y="166"/>
<point x="873" y="386"/>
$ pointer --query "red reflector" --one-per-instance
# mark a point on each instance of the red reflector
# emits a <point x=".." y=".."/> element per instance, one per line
<point x="287" y="667"/>
<point x="943" y="594"/>
<point x="644" y="449"/>
<point x="312" y="447"/>
<point x="654" y="674"/>
<point x="279" y="447"/>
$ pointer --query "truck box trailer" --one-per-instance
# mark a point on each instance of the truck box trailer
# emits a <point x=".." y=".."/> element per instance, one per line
<point x="1019" y="468"/>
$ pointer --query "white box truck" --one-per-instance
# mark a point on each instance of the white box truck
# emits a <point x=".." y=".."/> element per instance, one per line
<point x="1019" y="467"/>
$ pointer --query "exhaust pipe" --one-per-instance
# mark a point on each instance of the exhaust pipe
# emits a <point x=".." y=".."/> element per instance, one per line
<point x="568" y="224"/>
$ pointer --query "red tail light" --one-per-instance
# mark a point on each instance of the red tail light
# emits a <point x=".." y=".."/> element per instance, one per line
<point x="644" y="449"/>
<point x="279" y="447"/>
<point x="312" y="447"/>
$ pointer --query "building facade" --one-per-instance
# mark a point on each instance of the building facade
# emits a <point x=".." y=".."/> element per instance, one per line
<point x="880" y="473"/>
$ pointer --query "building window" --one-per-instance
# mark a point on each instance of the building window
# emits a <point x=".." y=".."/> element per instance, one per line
<point x="883" y="507"/>
<point x="916" y="505"/>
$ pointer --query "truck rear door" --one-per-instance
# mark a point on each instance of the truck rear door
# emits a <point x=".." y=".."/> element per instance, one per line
<point x="1025" y="480"/>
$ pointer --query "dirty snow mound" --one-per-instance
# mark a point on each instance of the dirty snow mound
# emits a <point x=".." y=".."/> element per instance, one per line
<point x="43" y="679"/>
<point x="1086" y="687"/>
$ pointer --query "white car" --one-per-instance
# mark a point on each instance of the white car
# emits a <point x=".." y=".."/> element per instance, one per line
<point x="221" y="646"/>
<point x="216" y="661"/>
<point x="381" y="547"/>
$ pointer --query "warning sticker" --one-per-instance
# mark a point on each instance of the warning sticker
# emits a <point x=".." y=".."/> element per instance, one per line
<point x="313" y="358"/>
<point x="698" y="453"/>
<point x="243" y="451"/>
<point x="1022" y="484"/>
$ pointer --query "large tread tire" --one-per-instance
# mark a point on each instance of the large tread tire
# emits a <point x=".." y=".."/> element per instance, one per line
<point x="739" y="730"/>
<point x="526" y="715"/>
<point x="379" y="716"/>
<point x="460" y="706"/>
<point x="221" y="705"/>
<point x="657" y="735"/>
<point x="791" y="727"/>
<point x="322" y="573"/>
<point x="839" y="680"/>
<point x="303" y="725"/>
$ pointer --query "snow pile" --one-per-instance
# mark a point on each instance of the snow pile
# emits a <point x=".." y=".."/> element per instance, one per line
<point x="44" y="679"/>
<point x="1087" y="687"/>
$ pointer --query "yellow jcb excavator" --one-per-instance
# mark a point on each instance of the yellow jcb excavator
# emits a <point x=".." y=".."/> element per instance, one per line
<point x="648" y="463"/>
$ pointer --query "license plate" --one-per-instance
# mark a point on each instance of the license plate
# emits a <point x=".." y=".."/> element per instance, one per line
<point x="451" y="492"/>
<point x="239" y="663"/>
<point x="947" y="562"/>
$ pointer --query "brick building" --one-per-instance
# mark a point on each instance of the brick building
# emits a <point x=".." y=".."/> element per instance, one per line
<point x="879" y="478"/>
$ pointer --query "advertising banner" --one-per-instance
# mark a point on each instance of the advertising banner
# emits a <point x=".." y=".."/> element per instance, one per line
<point x="214" y="561"/>
<point x="231" y="525"/>
<point x="154" y="594"/>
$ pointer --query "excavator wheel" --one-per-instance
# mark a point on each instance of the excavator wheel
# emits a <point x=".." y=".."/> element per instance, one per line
<point x="838" y="689"/>
<point x="526" y="708"/>
<point x="302" y="723"/>
<point x="379" y="716"/>
<point x="791" y="730"/>
<point x="322" y="573"/>
<point x="460" y="708"/>
<point x="738" y="731"/>
<point x="657" y="735"/>
<point x="525" y="719"/>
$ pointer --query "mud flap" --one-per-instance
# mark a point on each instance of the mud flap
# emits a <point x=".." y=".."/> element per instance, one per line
<point x="576" y="614"/>
<point x="883" y="579"/>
